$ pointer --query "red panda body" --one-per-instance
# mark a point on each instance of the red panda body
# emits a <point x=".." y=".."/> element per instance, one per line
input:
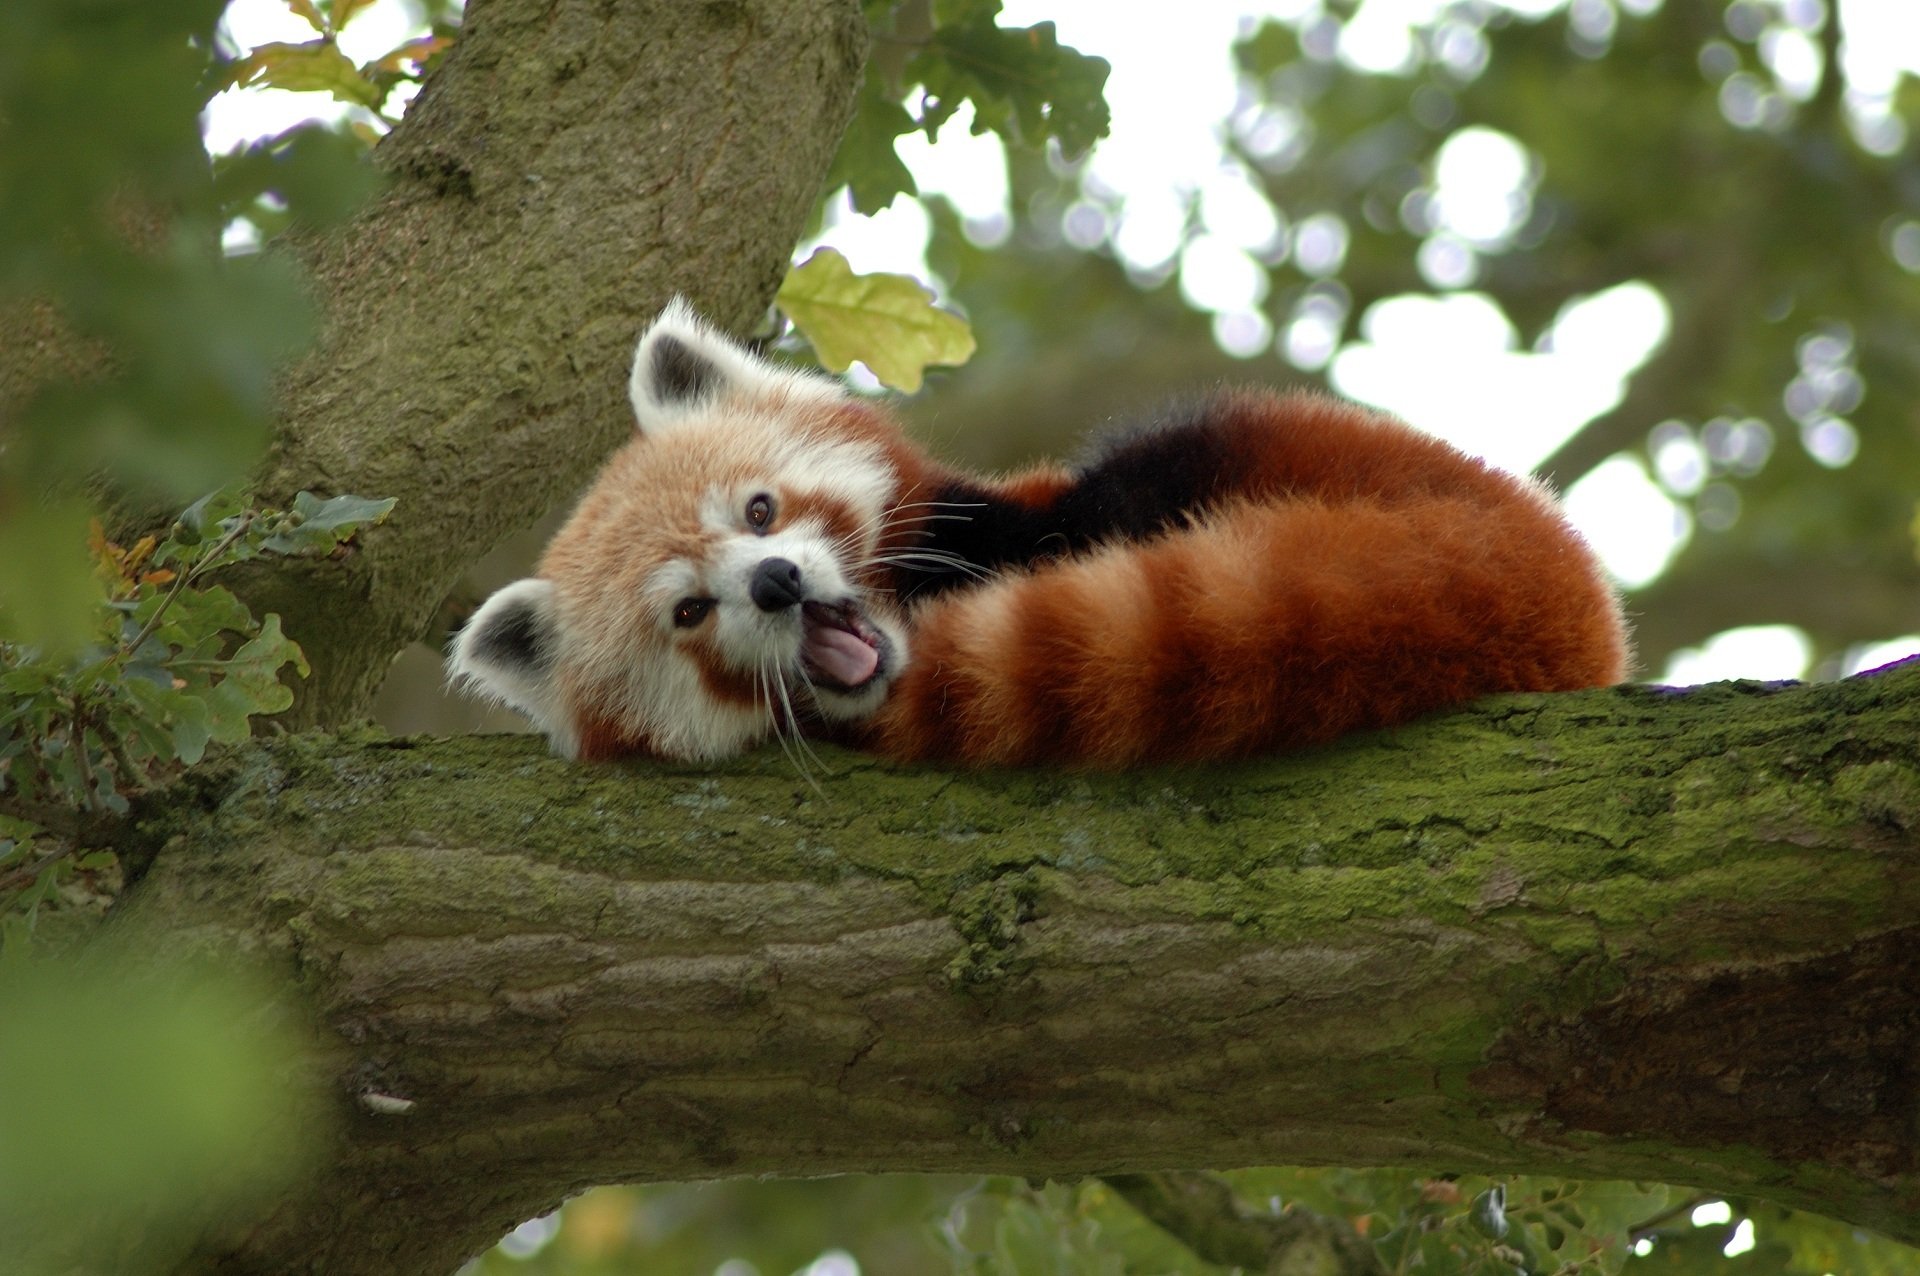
<point x="1253" y="572"/>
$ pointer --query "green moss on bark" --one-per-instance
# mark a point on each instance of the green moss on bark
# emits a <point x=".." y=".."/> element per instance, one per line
<point x="1523" y="936"/>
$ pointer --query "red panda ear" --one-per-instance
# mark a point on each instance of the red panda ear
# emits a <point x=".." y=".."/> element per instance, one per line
<point x="508" y="653"/>
<point x="683" y="366"/>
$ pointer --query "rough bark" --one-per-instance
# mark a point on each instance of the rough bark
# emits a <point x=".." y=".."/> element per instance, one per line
<point x="571" y="167"/>
<point x="1619" y="934"/>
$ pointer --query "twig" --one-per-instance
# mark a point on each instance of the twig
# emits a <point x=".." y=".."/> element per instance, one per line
<point x="78" y="743"/>
<point x="1202" y="1213"/>
<point x="27" y="874"/>
<point x="208" y="561"/>
<point x="1642" y="1230"/>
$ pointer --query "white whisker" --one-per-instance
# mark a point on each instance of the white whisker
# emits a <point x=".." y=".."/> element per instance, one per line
<point x="768" y="679"/>
<point x="929" y="560"/>
<point x="801" y="747"/>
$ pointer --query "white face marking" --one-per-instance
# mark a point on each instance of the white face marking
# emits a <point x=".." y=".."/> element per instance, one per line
<point x="754" y="641"/>
<point x="686" y="721"/>
<point x="850" y="471"/>
<point x="614" y="652"/>
<point x="663" y="690"/>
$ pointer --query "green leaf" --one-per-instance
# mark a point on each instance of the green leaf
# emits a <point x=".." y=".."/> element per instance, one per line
<point x="888" y="322"/>
<point x="144" y="732"/>
<point x="229" y="706"/>
<point x="1820" y="1245"/>
<point x="1272" y="45"/>
<point x="192" y="728"/>
<point x="344" y="11"/>
<point x="1021" y="80"/>
<point x="201" y="520"/>
<point x="316" y="526"/>
<point x="49" y="598"/>
<point x="417" y="52"/>
<point x="250" y="684"/>
<point x="44" y="886"/>
<point x="866" y="163"/>
<point x="314" y="66"/>
<point x="193" y="614"/>
<point x="1615" y="1208"/>
<point x="159" y="1102"/>
<point x="948" y="13"/>
<point x="255" y="668"/>
<point x="319" y="175"/>
<point x="154" y="721"/>
<point x="305" y="9"/>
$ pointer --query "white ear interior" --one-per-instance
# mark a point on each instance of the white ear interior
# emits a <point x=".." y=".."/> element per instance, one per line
<point x="508" y="652"/>
<point x="683" y="366"/>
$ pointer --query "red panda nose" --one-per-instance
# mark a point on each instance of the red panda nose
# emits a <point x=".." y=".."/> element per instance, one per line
<point x="775" y="585"/>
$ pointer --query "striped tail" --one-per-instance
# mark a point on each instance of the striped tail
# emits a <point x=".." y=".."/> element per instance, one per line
<point x="1333" y="593"/>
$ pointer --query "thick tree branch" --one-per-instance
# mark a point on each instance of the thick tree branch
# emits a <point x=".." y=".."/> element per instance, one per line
<point x="1630" y="933"/>
<point x="570" y="168"/>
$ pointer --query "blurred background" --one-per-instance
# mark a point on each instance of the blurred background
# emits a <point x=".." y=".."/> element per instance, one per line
<point x="1666" y="255"/>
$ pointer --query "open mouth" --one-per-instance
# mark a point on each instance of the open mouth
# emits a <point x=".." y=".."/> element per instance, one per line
<point x="838" y="649"/>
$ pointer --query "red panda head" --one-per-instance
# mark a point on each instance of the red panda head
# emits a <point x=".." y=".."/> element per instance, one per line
<point x="717" y="580"/>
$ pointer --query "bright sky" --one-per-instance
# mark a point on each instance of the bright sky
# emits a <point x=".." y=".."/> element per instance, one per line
<point x="1450" y="363"/>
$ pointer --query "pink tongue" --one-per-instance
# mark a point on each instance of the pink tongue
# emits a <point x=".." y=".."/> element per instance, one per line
<point x="839" y="655"/>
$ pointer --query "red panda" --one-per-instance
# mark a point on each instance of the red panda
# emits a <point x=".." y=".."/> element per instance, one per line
<point x="1250" y="572"/>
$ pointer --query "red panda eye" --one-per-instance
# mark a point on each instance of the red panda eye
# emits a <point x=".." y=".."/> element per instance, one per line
<point x="689" y="612"/>
<point x="760" y="511"/>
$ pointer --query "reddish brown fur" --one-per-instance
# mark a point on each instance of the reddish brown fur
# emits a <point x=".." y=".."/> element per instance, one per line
<point x="1359" y="574"/>
<point x="602" y="740"/>
<point x="1349" y="573"/>
<point x="837" y="517"/>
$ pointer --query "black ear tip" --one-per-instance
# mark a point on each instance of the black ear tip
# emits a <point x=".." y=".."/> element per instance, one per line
<point x="680" y="374"/>
<point x="514" y="639"/>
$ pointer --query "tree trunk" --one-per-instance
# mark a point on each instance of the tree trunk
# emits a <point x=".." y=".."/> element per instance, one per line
<point x="572" y="166"/>
<point x="1619" y="934"/>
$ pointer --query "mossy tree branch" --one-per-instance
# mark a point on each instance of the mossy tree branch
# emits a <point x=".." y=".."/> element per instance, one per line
<point x="1626" y="934"/>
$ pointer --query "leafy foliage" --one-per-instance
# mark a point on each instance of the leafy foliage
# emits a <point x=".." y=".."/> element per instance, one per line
<point x="1448" y="1226"/>
<point x="151" y="353"/>
<point x="889" y="322"/>
<point x="174" y="665"/>
<point x="319" y="65"/>
<point x="1022" y="83"/>
<point x="147" y="1098"/>
<point x="888" y="1224"/>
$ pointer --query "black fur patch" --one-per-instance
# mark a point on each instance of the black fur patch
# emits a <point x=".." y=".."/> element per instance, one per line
<point x="515" y="639"/>
<point x="1139" y="480"/>
<point x="680" y="375"/>
<point x="1133" y="483"/>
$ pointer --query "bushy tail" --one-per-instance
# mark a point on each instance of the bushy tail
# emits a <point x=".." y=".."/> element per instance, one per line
<point x="1370" y="577"/>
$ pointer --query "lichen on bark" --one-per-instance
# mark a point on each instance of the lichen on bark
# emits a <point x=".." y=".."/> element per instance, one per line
<point x="1514" y="938"/>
